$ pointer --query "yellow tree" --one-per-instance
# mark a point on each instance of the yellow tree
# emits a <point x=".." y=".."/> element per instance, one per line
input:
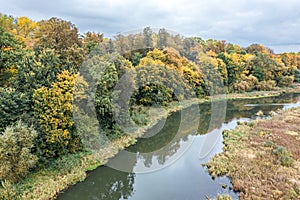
<point x="24" y="30"/>
<point x="54" y="113"/>
<point x="171" y="58"/>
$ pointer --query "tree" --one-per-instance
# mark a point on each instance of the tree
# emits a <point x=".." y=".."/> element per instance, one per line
<point x="162" y="38"/>
<point x="162" y="73"/>
<point x="258" y="48"/>
<point x="38" y="70"/>
<point x="62" y="37"/>
<point x="7" y="22"/>
<point x="92" y="40"/>
<point x="246" y="83"/>
<point x="56" y="34"/>
<point x="147" y="38"/>
<point x="192" y="46"/>
<point x="11" y="57"/>
<point x="54" y="114"/>
<point x="13" y="105"/>
<point x="135" y="58"/>
<point x="121" y="44"/>
<point x="24" y="30"/>
<point x="214" y="73"/>
<point x="103" y="98"/>
<point x="110" y="46"/>
<point x="16" y="156"/>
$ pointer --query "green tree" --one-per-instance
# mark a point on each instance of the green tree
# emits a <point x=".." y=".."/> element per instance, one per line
<point x="103" y="98"/>
<point x="147" y="38"/>
<point x="16" y="156"/>
<point x="162" y="38"/>
<point x="11" y="53"/>
<point x="135" y="58"/>
<point x="13" y="106"/>
<point x="92" y="40"/>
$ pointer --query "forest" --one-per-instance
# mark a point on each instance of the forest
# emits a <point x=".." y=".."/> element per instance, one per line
<point x="44" y="63"/>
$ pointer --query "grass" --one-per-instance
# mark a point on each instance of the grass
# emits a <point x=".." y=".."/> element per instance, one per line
<point x="262" y="158"/>
<point x="47" y="183"/>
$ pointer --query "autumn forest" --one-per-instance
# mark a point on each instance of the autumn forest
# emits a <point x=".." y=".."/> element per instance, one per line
<point x="44" y="63"/>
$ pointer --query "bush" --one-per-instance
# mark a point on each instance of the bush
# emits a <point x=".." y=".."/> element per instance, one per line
<point x="283" y="156"/>
<point x="246" y="84"/>
<point x="285" y="81"/>
<point x="266" y="85"/>
<point x="65" y="164"/>
<point x="15" y="152"/>
<point x="8" y="191"/>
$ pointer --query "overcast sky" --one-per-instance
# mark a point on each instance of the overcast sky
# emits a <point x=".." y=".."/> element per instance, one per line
<point x="274" y="23"/>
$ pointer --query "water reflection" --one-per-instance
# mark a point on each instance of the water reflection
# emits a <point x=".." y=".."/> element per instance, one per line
<point x="103" y="184"/>
<point x="184" y="178"/>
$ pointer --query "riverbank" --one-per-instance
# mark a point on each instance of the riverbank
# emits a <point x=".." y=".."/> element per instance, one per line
<point x="68" y="170"/>
<point x="262" y="157"/>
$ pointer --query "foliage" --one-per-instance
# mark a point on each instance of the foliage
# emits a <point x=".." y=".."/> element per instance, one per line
<point x="13" y="105"/>
<point x="39" y="62"/>
<point x="285" y="81"/>
<point x="62" y="37"/>
<point x="147" y="37"/>
<point x="191" y="76"/>
<point x="160" y="81"/>
<point x="56" y="34"/>
<point x="103" y="97"/>
<point x="92" y="40"/>
<point x="139" y="115"/>
<point x="11" y="54"/>
<point x="53" y="112"/>
<point x="6" y="22"/>
<point x="16" y="158"/>
<point x="37" y="71"/>
<point x="266" y="85"/>
<point x="8" y="191"/>
<point x="283" y="156"/>
<point x="24" y="30"/>
<point x="214" y="72"/>
<point x="246" y="83"/>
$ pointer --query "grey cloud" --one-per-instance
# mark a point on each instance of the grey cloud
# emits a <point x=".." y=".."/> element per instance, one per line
<point x="261" y="21"/>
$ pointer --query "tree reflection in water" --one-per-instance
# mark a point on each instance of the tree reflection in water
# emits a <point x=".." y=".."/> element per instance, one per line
<point x="107" y="183"/>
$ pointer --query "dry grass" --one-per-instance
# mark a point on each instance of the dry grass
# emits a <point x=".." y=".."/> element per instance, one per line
<point x="252" y="161"/>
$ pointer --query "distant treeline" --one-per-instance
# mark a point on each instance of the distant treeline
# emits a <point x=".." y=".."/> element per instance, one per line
<point x="40" y="61"/>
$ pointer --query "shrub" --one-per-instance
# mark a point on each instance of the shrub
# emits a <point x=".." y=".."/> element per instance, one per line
<point x="266" y="85"/>
<point x="8" y="191"/>
<point x="15" y="152"/>
<point x="246" y="84"/>
<point x="283" y="156"/>
<point x="285" y="81"/>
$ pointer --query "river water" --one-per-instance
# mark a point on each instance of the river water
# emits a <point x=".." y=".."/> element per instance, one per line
<point x="166" y="164"/>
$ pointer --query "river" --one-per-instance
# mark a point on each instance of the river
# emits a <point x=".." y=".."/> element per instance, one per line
<point x="166" y="164"/>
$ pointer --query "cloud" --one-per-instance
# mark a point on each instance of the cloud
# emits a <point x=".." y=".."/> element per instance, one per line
<point x="257" y="21"/>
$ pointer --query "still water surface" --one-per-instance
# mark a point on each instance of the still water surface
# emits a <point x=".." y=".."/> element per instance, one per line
<point x="167" y="163"/>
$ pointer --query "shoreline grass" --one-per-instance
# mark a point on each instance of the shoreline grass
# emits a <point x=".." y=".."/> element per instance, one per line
<point x="262" y="157"/>
<point x="68" y="170"/>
